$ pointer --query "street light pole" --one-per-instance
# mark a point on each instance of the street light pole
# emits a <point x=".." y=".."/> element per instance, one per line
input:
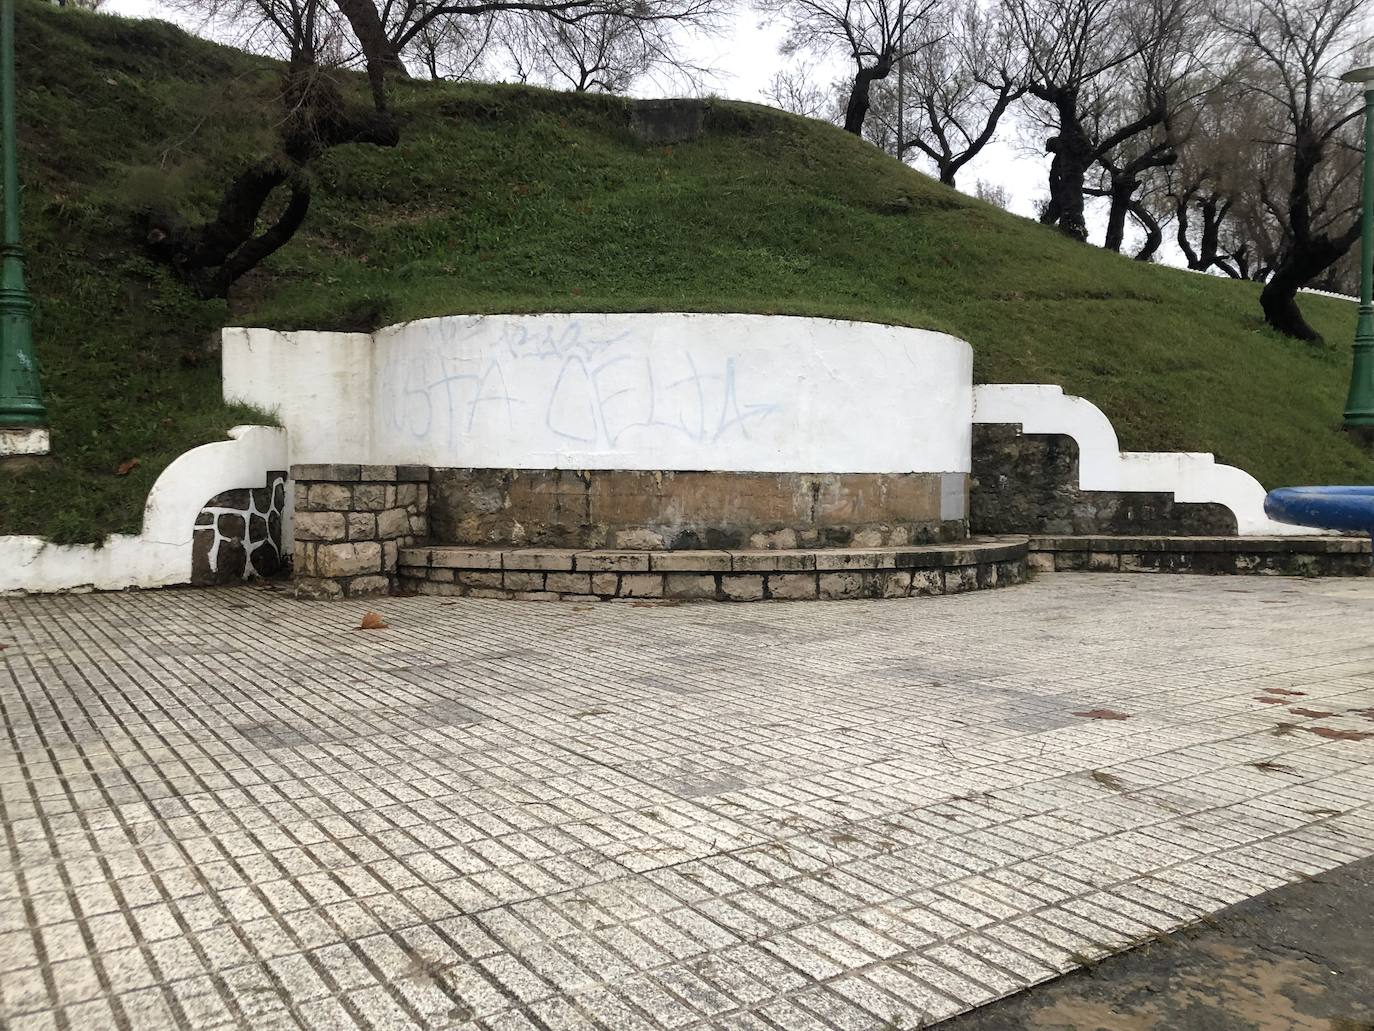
<point x="22" y="414"/>
<point x="1359" y="404"/>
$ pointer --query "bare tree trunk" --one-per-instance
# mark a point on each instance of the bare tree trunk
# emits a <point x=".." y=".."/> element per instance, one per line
<point x="1154" y="235"/>
<point x="1279" y="298"/>
<point x="1073" y="157"/>
<point x="214" y="255"/>
<point x="379" y="54"/>
<point x="1121" y="193"/>
<point x="857" y="109"/>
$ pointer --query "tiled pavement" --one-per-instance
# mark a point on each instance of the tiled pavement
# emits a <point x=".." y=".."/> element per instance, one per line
<point x="225" y="808"/>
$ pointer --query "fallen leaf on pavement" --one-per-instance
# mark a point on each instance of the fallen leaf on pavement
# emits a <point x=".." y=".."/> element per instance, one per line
<point x="372" y="621"/>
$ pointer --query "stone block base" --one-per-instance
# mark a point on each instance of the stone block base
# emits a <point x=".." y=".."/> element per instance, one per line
<point x="351" y="522"/>
<point x="824" y="574"/>
<point x="1264" y="556"/>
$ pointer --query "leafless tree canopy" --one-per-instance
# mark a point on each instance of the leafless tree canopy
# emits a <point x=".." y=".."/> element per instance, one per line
<point x="791" y="89"/>
<point x="954" y="91"/>
<point x="1299" y="197"/>
<point x="588" y="43"/>
<point x="605" y="52"/>
<point x="873" y="34"/>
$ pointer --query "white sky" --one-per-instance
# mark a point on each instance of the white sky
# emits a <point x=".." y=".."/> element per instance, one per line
<point x="745" y="57"/>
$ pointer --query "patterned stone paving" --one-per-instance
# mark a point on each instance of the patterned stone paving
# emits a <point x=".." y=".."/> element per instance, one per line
<point x="224" y="808"/>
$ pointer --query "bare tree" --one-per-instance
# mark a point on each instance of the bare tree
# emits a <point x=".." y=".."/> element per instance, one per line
<point x="315" y="115"/>
<point x="874" y="34"/>
<point x="1295" y="51"/>
<point x="956" y="90"/>
<point x="793" y="90"/>
<point x="605" y="52"/>
<point x="316" y="39"/>
<point x="993" y="193"/>
<point x="1143" y="115"/>
<point x="1069" y="47"/>
<point x="1210" y="193"/>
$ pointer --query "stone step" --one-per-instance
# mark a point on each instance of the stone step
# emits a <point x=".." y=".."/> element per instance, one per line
<point x="820" y="573"/>
<point x="1265" y="555"/>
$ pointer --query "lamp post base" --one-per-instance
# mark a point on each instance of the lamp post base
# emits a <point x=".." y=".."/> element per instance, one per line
<point x="26" y="441"/>
<point x="1362" y="435"/>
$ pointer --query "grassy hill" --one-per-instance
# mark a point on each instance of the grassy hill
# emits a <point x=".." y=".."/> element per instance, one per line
<point x="505" y="199"/>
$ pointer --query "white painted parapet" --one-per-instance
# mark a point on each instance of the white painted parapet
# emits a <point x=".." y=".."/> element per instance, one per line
<point x="725" y="393"/>
<point x="161" y="554"/>
<point x="1102" y="465"/>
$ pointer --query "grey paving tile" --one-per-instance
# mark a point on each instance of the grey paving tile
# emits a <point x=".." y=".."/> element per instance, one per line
<point x="226" y="809"/>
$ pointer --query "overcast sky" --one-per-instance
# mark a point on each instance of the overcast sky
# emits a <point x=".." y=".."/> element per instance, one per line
<point x="744" y="59"/>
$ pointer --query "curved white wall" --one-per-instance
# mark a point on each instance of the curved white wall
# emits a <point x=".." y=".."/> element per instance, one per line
<point x="1102" y="465"/>
<point x="638" y="391"/>
<point x="161" y="553"/>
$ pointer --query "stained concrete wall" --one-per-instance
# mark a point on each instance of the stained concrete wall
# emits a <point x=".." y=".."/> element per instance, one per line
<point x="691" y="510"/>
<point x="734" y="393"/>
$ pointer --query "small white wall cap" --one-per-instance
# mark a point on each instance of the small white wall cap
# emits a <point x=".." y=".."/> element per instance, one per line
<point x="24" y="440"/>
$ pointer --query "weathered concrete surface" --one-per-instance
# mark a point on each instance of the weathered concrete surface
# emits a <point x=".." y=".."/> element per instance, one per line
<point x="680" y="510"/>
<point x="669" y="120"/>
<point x="1298" y="959"/>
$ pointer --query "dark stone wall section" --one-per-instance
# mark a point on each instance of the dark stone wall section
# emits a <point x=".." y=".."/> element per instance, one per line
<point x="238" y="534"/>
<point x="1028" y="483"/>
<point x="1272" y="556"/>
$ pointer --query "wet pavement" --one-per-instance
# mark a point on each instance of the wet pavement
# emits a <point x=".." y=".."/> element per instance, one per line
<point x="1295" y="959"/>
<point x="226" y="808"/>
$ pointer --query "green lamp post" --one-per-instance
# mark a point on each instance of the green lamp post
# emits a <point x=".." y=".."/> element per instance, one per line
<point x="1359" y="403"/>
<point x="21" y="395"/>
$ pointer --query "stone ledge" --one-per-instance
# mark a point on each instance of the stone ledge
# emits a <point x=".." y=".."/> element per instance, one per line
<point x="533" y="575"/>
<point x="346" y="473"/>
<point x="1351" y="545"/>
<point x="1263" y="556"/>
<point x="936" y="556"/>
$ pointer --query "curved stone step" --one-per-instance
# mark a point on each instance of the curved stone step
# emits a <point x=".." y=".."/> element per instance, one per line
<point x="822" y="573"/>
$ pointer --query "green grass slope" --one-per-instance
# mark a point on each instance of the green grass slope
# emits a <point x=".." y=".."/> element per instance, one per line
<point x="504" y="199"/>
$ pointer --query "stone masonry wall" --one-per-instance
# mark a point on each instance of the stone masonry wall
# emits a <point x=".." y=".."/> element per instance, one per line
<point x="536" y="574"/>
<point x="1028" y="483"/>
<point x="351" y="522"/>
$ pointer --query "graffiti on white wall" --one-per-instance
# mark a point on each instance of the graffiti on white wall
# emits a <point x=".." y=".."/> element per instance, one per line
<point x="670" y="391"/>
<point x="587" y="385"/>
